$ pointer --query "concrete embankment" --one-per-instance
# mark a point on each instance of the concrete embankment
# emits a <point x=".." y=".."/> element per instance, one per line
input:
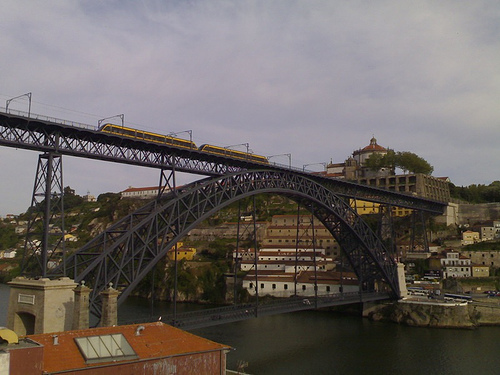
<point x="436" y="314"/>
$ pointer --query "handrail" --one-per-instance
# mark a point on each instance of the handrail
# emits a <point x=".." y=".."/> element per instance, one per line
<point x="35" y="116"/>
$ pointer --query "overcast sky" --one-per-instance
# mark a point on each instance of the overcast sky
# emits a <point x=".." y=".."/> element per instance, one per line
<point x="316" y="79"/>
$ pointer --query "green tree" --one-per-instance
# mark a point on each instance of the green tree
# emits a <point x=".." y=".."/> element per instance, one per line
<point x="8" y="237"/>
<point x="186" y="280"/>
<point x="407" y="161"/>
<point x="71" y="200"/>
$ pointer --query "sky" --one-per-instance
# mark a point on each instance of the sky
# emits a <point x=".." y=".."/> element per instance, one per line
<point x="316" y="79"/>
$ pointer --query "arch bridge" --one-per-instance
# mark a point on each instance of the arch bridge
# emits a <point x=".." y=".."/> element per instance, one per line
<point x="128" y="250"/>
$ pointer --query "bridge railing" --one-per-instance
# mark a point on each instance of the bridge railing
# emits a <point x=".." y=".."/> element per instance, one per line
<point x="231" y="313"/>
<point x="48" y="118"/>
<point x="76" y="124"/>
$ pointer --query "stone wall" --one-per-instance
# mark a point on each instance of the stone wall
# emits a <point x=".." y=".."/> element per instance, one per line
<point x="472" y="213"/>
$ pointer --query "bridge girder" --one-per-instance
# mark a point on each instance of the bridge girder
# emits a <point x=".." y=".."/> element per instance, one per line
<point x="66" y="138"/>
<point x="127" y="251"/>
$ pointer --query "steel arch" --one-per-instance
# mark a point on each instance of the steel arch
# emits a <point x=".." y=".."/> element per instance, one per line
<point x="128" y="250"/>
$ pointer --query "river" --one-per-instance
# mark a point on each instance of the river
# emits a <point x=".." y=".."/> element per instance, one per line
<point x="316" y="343"/>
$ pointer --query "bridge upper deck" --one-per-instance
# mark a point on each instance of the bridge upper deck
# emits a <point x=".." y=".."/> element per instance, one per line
<point x="44" y="134"/>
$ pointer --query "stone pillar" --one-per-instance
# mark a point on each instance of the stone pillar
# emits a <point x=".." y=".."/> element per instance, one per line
<point x="109" y="299"/>
<point x="81" y="312"/>
<point x="403" y="292"/>
<point x="40" y="306"/>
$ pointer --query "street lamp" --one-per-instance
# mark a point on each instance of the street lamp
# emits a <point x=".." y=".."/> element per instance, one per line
<point x="7" y="102"/>
<point x="306" y="165"/>
<point x="289" y="158"/>
<point x="190" y="132"/>
<point x="122" y="117"/>
<point x="239" y="144"/>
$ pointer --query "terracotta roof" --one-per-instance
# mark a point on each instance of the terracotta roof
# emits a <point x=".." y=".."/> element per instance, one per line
<point x="155" y="341"/>
<point x="373" y="146"/>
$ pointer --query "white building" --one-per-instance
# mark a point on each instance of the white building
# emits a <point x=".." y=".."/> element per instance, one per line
<point x="455" y="265"/>
<point x="8" y="254"/>
<point x="280" y="284"/>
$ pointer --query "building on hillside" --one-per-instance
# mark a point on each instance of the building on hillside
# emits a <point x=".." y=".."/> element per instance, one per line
<point x="362" y="155"/>
<point x="226" y="230"/>
<point x="419" y="184"/>
<point x="149" y="348"/>
<point x="183" y="252"/>
<point x="21" y="229"/>
<point x="370" y="208"/>
<point x="284" y="285"/>
<point x="294" y="248"/>
<point x="470" y="237"/>
<point x="141" y="192"/>
<point x="8" y="254"/>
<point x="489" y="258"/>
<point x="491" y="232"/>
<point x="284" y="259"/>
<point x="479" y="270"/>
<point x="355" y="169"/>
<point x="284" y="232"/>
<point x="70" y="238"/>
<point x="455" y="265"/>
<point x="89" y="197"/>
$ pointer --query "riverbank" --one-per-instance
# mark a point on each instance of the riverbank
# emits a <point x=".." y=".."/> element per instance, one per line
<point x="436" y="314"/>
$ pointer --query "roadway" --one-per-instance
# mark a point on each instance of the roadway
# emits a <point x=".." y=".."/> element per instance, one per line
<point x="234" y="313"/>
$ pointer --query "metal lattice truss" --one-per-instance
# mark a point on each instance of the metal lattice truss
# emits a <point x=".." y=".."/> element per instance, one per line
<point x="67" y="139"/>
<point x="127" y="251"/>
<point x="45" y="232"/>
<point x="42" y="136"/>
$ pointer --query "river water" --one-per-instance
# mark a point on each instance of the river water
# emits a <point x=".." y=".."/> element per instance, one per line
<point x="312" y="342"/>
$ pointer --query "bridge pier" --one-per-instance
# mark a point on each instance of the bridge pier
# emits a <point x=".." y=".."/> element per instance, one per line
<point x="403" y="292"/>
<point x="40" y="306"/>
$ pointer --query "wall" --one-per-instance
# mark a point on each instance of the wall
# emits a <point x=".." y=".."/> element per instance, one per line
<point x="472" y="213"/>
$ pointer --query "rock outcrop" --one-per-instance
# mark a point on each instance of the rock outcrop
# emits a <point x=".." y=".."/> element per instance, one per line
<point x="436" y="315"/>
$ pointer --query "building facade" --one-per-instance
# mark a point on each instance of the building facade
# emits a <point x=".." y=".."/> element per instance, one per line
<point x="455" y="265"/>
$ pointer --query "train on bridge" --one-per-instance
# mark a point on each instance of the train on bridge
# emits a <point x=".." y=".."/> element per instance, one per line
<point x="181" y="143"/>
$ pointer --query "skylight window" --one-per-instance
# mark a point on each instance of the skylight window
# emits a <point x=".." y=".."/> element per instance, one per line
<point x="105" y="348"/>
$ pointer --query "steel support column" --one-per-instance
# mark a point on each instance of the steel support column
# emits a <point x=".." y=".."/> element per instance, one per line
<point x="44" y="244"/>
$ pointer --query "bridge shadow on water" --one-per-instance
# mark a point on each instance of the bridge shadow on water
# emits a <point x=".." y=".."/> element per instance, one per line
<point x="233" y="313"/>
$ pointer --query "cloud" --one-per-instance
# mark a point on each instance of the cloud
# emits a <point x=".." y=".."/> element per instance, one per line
<point x="316" y="79"/>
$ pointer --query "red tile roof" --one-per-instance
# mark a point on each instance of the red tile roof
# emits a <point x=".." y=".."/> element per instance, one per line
<point x="156" y="340"/>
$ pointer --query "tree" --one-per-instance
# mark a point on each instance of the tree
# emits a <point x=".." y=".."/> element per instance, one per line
<point x="413" y="163"/>
<point x="477" y="193"/>
<point x="407" y="161"/>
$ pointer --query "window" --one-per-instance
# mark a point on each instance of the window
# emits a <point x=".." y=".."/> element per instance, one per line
<point x="262" y="286"/>
<point x="285" y="286"/>
<point x="328" y="288"/>
<point x="105" y="348"/>
<point x="274" y="286"/>
<point x="303" y="287"/>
